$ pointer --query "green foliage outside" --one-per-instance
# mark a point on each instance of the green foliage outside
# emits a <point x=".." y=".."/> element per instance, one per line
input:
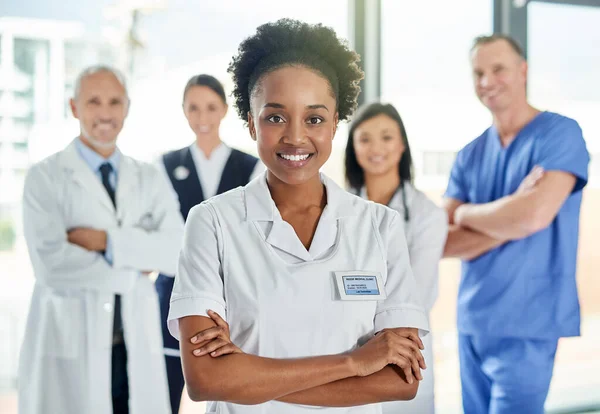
<point x="7" y="235"/>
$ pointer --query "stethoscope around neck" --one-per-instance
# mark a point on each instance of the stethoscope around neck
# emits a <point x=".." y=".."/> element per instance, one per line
<point x="402" y="188"/>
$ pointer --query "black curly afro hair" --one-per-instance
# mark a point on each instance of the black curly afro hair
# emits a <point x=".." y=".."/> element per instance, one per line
<point x="291" y="42"/>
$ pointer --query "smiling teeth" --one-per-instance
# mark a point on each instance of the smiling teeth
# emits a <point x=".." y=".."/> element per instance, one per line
<point x="294" y="157"/>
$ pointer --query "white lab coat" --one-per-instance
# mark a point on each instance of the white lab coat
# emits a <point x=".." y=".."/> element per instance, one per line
<point x="426" y="232"/>
<point x="65" y="363"/>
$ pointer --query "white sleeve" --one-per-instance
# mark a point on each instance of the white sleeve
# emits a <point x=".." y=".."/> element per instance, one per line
<point x="55" y="261"/>
<point x="199" y="279"/>
<point x="430" y="228"/>
<point x="402" y="308"/>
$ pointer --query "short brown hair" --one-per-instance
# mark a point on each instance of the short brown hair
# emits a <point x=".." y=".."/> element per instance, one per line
<point x="486" y="39"/>
<point x="208" y="81"/>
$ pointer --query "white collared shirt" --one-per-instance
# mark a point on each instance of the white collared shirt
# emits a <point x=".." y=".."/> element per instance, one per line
<point x="243" y="261"/>
<point x="210" y="170"/>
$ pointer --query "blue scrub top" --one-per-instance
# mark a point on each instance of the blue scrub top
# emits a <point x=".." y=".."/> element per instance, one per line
<point x="525" y="288"/>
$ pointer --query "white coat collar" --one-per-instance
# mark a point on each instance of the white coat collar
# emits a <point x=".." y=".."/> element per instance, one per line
<point x="261" y="207"/>
<point x="72" y="162"/>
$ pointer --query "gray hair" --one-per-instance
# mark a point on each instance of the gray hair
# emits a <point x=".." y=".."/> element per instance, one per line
<point x="512" y="42"/>
<point x="91" y="70"/>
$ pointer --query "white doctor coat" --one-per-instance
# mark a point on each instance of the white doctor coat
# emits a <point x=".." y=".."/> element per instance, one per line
<point x="65" y="360"/>
<point x="426" y="232"/>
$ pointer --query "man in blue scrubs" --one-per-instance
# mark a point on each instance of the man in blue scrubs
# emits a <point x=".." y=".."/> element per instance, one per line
<point x="513" y="202"/>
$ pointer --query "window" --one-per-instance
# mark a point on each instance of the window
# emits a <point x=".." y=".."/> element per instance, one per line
<point x="31" y="60"/>
<point x="158" y="95"/>
<point x="572" y="72"/>
<point x="437" y="164"/>
<point x="426" y="74"/>
<point x="426" y="71"/>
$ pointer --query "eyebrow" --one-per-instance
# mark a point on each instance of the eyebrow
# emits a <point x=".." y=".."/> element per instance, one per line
<point x="367" y="134"/>
<point x="318" y="106"/>
<point x="280" y="106"/>
<point x="112" y="98"/>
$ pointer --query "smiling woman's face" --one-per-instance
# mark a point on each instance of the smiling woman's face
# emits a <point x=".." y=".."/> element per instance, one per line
<point x="378" y="146"/>
<point x="293" y="119"/>
<point x="204" y="110"/>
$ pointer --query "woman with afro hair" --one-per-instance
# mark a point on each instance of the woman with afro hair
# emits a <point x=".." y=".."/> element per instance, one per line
<point x="315" y="284"/>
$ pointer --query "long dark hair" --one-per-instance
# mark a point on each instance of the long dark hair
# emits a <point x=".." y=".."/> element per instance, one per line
<point x="354" y="172"/>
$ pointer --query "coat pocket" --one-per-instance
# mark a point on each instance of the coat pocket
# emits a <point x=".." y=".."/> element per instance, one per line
<point x="64" y="330"/>
<point x="152" y="324"/>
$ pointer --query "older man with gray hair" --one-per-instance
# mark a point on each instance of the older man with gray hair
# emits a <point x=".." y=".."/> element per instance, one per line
<point x="96" y="223"/>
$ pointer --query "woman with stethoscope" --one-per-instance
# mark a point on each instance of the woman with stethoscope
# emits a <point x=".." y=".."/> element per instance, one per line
<point x="379" y="168"/>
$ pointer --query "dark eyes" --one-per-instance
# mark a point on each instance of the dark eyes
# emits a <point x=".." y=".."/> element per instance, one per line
<point x="277" y="119"/>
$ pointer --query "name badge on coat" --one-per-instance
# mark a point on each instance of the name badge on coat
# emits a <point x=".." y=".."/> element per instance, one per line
<point x="359" y="285"/>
